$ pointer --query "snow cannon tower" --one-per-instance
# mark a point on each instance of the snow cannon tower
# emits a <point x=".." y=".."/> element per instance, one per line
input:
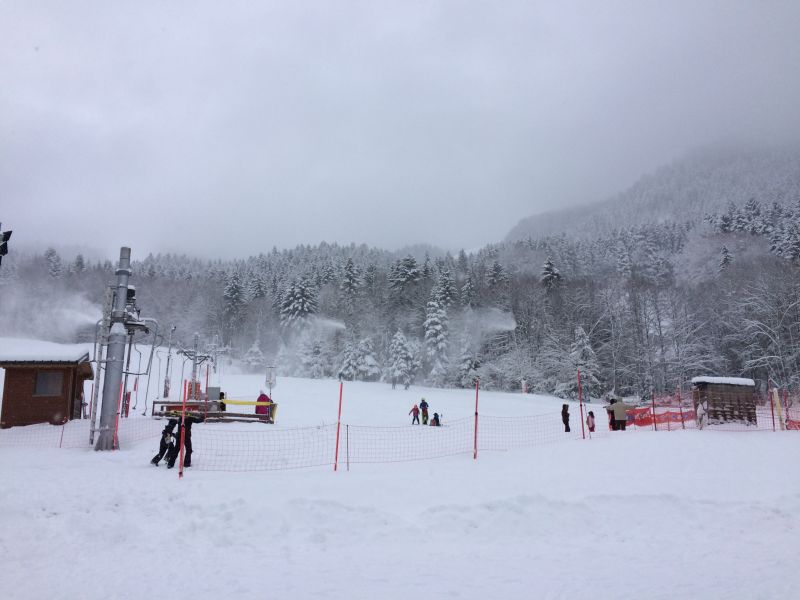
<point x="124" y="321"/>
<point x="724" y="400"/>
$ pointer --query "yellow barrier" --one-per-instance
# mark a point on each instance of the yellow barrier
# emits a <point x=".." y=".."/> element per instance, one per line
<point x="246" y="402"/>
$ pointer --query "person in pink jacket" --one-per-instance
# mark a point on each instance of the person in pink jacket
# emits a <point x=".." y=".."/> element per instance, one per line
<point x="415" y="414"/>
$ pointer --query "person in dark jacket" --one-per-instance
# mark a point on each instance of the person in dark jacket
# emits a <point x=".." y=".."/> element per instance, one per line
<point x="423" y="407"/>
<point x="187" y="441"/>
<point x="167" y="444"/>
<point x="565" y="416"/>
<point x="435" y="420"/>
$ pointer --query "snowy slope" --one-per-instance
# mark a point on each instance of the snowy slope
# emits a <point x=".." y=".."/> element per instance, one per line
<point x="686" y="514"/>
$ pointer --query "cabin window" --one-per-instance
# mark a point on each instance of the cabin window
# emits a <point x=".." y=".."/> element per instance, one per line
<point x="48" y="383"/>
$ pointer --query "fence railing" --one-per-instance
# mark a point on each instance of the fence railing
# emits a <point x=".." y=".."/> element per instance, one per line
<point x="254" y="447"/>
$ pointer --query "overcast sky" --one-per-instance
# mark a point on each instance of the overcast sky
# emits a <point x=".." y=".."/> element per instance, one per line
<point x="224" y="128"/>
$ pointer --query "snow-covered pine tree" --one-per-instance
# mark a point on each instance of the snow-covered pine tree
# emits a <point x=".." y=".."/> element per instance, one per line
<point x="497" y="275"/>
<point x="254" y="359"/>
<point x="446" y="293"/>
<point x="233" y="307"/>
<point x="436" y="339"/>
<point x="725" y="259"/>
<point x="312" y="358"/>
<point x="350" y="360"/>
<point x="78" y="265"/>
<point x="350" y="284"/>
<point x="54" y="268"/>
<point x="368" y="367"/>
<point x="468" y="294"/>
<point x="583" y="358"/>
<point x="550" y="277"/>
<point x="299" y="302"/>
<point x="401" y="360"/>
<point x="467" y="368"/>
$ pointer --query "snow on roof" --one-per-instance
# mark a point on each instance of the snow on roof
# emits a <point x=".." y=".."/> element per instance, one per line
<point x="725" y="380"/>
<point x="20" y="350"/>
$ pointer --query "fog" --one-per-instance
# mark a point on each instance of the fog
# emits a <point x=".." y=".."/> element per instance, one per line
<point x="223" y="129"/>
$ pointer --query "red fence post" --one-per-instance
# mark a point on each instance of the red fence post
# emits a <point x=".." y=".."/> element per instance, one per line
<point x="655" y="426"/>
<point x="475" y="443"/>
<point x="771" y="405"/>
<point x="580" y="402"/>
<point x="338" y="426"/>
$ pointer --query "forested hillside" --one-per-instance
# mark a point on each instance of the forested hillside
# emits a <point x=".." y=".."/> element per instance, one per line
<point x="704" y="181"/>
<point x="637" y="307"/>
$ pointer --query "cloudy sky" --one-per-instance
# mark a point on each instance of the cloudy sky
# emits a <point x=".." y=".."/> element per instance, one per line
<point x="224" y="128"/>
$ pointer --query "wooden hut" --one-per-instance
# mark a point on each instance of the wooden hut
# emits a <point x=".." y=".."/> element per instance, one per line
<point x="720" y="400"/>
<point x="43" y="388"/>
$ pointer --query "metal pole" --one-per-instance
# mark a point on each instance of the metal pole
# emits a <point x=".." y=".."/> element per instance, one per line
<point x="116" y="355"/>
<point x="475" y="441"/>
<point x="580" y="402"/>
<point x="167" y="373"/>
<point x="105" y="324"/>
<point x="125" y="397"/>
<point x="338" y="426"/>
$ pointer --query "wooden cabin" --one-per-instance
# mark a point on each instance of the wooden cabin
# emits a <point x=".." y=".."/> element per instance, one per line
<point x="725" y="400"/>
<point x="43" y="389"/>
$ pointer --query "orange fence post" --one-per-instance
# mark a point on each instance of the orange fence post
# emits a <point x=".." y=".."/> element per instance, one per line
<point x="338" y="427"/>
<point x="771" y="405"/>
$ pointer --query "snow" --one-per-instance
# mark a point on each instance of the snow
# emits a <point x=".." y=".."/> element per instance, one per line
<point x="638" y="514"/>
<point x="725" y="380"/>
<point x="18" y="349"/>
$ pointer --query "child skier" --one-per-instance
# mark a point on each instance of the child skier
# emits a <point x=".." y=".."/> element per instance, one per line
<point x="435" y="420"/>
<point x="167" y="443"/>
<point x="415" y="412"/>
<point x="187" y="442"/>
<point x="423" y="406"/>
<point x="590" y="422"/>
<point x="565" y="416"/>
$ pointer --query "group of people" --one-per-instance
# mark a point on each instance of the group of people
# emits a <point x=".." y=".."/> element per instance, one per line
<point x="170" y="445"/>
<point x="617" y="412"/>
<point x="422" y="409"/>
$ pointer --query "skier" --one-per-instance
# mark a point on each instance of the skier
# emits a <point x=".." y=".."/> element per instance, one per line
<point x="590" y="421"/>
<point x="415" y="412"/>
<point x="187" y="441"/>
<point x="565" y="416"/>
<point x="167" y="443"/>
<point x="264" y="409"/>
<point x="435" y="420"/>
<point x="423" y="406"/>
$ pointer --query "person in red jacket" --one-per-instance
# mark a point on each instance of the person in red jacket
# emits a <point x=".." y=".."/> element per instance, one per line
<point x="415" y="412"/>
<point x="590" y="421"/>
<point x="263" y="409"/>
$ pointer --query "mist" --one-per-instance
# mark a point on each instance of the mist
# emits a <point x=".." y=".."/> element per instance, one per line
<point x="222" y="131"/>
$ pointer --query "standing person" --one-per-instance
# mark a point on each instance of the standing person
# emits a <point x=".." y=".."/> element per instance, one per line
<point x="264" y="409"/>
<point x="187" y="441"/>
<point x="167" y="443"/>
<point x="423" y="406"/>
<point x="415" y="412"/>
<point x="565" y="416"/>
<point x="590" y="422"/>
<point x="620" y="411"/>
<point x="612" y="424"/>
